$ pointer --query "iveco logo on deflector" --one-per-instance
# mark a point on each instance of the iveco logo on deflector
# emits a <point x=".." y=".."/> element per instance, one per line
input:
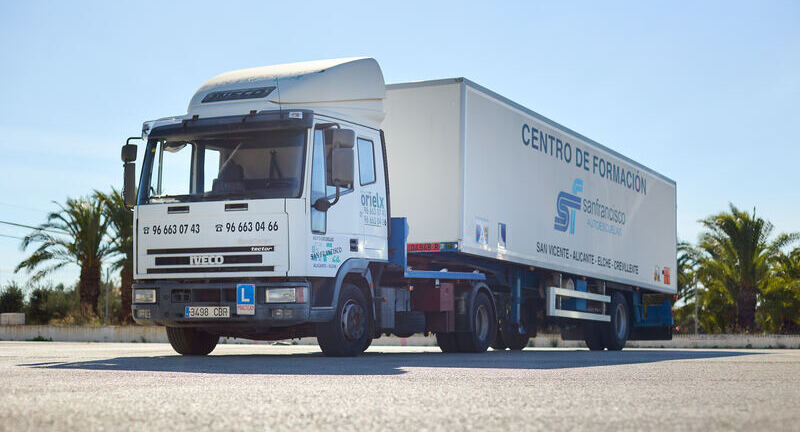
<point x="200" y="260"/>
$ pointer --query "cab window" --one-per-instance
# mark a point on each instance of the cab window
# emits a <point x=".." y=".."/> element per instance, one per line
<point x="366" y="161"/>
<point x="318" y="186"/>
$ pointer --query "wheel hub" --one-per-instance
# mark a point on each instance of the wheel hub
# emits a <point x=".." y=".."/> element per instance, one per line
<point x="482" y="322"/>
<point x="353" y="320"/>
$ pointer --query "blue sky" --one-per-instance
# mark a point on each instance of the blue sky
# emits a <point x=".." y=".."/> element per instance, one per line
<point x="706" y="93"/>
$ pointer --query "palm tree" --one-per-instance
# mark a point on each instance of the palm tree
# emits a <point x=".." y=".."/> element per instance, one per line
<point x="120" y="220"/>
<point x="687" y="263"/>
<point x="780" y="306"/>
<point x="686" y="276"/>
<point x="737" y="253"/>
<point x="75" y="234"/>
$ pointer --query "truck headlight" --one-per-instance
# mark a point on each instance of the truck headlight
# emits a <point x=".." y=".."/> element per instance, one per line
<point x="286" y="295"/>
<point x="144" y="296"/>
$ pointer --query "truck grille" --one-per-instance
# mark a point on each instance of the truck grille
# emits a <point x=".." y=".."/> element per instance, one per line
<point x="201" y="260"/>
<point x="227" y="259"/>
<point x="198" y="269"/>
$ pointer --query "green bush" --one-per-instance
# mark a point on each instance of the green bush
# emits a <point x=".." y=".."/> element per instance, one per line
<point x="114" y="304"/>
<point x="62" y="303"/>
<point x="37" y="306"/>
<point x="11" y="299"/>
<point x="47" y="303"/>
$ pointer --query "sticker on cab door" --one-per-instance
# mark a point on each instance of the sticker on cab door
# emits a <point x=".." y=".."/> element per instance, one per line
<point x="325" y="253"/>
<point x="373" y="209"/>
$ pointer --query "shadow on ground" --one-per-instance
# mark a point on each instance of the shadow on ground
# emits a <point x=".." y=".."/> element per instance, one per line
<point x="372" y="363"/>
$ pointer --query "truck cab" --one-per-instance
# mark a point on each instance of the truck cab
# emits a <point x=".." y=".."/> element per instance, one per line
<point x="251" y="204"/>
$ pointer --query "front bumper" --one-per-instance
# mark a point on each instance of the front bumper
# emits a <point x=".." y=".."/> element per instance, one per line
<point x="172" y="298"/>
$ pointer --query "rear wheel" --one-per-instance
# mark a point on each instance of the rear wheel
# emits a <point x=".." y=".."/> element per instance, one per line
<point x="484" y="326"/>
<point x="517" y="341"/>
<point x="593" y="337"/>
<point x="512" y="338"/>
<point x="499" y="343"/>
<point x="191" y="341"/>
<point x="616" y="333"/>
<point x="348" y="334"/>
<point x="447" y="342"/>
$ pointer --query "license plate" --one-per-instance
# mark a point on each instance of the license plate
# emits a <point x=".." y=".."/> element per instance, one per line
<point x="207" y="312"/>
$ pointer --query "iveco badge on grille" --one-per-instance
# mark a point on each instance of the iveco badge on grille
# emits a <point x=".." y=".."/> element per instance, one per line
<point x="201" y="260"/>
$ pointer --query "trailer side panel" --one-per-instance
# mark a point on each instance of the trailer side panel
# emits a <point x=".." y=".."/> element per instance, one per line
<point x="539" y="194"/>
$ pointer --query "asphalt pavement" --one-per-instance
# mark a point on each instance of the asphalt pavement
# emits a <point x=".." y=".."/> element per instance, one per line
<point x="113" y="386"/>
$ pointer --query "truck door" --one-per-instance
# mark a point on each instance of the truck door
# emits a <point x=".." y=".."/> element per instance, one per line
<point x="335" y="233"/>
<point x="372" y="212"/>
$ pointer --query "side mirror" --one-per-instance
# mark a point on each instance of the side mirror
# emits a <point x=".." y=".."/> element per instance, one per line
<point x="129" y="153"/>
<point x="342" y="167"/>
<point x="129" y="184"/>
<point x="342" y="156"/>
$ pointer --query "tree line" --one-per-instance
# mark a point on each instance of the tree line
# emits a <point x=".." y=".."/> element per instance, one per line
<point x="91" y="232"/>
<point x="741" y="276"/>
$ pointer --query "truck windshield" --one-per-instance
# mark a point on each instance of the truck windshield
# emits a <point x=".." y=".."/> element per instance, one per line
<point x="256" y="165"/>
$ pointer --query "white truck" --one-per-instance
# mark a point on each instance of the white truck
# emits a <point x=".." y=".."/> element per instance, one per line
<point x="310" y="199"/>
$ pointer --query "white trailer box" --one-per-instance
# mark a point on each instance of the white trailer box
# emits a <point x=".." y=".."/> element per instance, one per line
<point x="467" y="165"/>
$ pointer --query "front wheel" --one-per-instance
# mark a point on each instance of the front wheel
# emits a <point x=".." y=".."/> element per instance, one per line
<point x="484" y="326"/>
<point x="191" y="341"/>
<point x="348" y="334"/>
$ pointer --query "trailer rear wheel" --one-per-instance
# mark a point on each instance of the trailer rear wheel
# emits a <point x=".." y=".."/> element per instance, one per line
<point x="447" y="342"/>
<point x="616" y="332"/>
<point x="191" y="341"/>
<point x="593" y="337"/>
<point x="484" y="326"/>
<point x="348" y="333"/>
<point x="516" y="342"/>
<point x="499" y="344"/>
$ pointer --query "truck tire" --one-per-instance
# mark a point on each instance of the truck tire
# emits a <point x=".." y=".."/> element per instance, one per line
<point x="191" y="341"/>
<point x="517" y="342"/>
<point x="512" y="339"/>
<point x="499" y="344"/>
<point x="348" y="333"/>
<point x="616" y="332"/>
<point x="367" y="344"/>
<point x="447" y="342"/>
<point x="514" y="342"/>
<point x="593" y="337"/>
<point x="484" y="327"/>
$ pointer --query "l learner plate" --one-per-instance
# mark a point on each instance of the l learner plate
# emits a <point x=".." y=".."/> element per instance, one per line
<point x="207" y="312"/>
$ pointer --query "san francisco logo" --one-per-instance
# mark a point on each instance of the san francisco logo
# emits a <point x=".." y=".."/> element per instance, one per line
<point x="566" y="205"/>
